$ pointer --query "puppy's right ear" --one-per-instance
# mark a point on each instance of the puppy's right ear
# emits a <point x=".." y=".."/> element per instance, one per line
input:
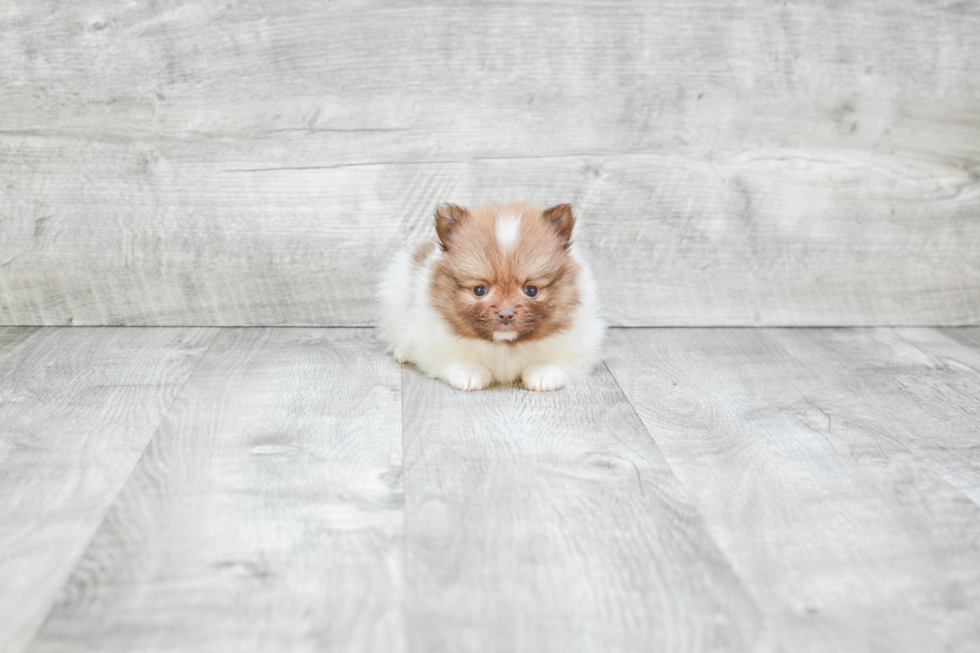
<point x="448" y="219"/>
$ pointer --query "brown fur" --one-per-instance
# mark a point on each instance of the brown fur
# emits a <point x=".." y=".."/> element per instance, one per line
<point x="421" y="253"/>
<point x="473" y="256"/>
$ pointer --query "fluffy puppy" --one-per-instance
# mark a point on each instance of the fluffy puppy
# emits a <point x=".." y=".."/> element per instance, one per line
<point x="502" y="295"/>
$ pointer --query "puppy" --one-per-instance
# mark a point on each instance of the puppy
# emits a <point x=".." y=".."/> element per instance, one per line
<point x="502" y="295"/>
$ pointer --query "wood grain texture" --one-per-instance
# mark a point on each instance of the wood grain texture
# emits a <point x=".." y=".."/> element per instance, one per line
<point x="550" y="522"/>
<point x="245" y="164"/>
<point x="921" y="383"/>
<point x="77" y="408"/>
<point x="13" y="338"/>
<point x="845" y="537"/>
<point x="266" y="515"/>
<point x="967" y="336"/>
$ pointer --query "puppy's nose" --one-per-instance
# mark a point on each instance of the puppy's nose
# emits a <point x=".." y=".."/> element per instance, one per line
<point x="506" y="316"/>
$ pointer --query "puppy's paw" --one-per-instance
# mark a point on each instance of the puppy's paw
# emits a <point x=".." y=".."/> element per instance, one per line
<point x="401" y="355"/>
<point x="542" y="378"/>
<point x="467" y="377"/>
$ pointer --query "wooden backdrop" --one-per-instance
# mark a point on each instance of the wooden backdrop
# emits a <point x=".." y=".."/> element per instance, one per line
<point x="253" y="163"/>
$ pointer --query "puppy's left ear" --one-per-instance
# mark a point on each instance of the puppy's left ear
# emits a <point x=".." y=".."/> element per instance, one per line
<point x="562" y="221"/>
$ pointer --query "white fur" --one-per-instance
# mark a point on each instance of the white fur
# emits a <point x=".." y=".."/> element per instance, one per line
<point x="415" y="331"/>
<point x="543" y="377"/>
<point x="507" y="228"/>
<point x="467" y="377"/>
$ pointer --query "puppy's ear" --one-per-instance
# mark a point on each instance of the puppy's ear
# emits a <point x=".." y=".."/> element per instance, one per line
<point x="562" y="221"/>
<point x="448" y="219"/>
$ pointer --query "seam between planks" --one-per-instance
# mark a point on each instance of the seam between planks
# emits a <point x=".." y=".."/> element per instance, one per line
<point x="748" y="587"/>
<point x="122" y="486"/>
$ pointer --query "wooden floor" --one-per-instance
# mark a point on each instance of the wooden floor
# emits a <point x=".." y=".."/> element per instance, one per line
<point x="203" y="489"/>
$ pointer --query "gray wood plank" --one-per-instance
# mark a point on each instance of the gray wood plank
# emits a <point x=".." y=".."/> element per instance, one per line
<point x="305" y="247"/>
<point x="13" y="338"/>
<point x="922" y="383"/>
<point x="967" y="336"/>
<point x="847" y="540"/>
<point x="266" y="514"/>
<point x="380" y="76"/>
<point x="77" y="408"/>
<point x="732" y="165"/>
<point x="550" y="522"/>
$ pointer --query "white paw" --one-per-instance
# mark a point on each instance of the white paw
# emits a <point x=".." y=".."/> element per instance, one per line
<point x="467" y="377"/>
<point x="401" y="355"/>
<point x="544" y="377"/>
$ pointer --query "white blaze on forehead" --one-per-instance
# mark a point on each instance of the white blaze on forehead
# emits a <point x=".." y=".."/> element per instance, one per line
<point x="507" y="228"/>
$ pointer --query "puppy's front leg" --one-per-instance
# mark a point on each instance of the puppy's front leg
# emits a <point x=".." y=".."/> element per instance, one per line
<point x="542" y="378"/>
<point x="463" y="376"/>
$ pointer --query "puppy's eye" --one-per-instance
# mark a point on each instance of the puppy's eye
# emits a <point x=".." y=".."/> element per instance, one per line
<point x="480" y="291"/>
<point x="531" y="291"/>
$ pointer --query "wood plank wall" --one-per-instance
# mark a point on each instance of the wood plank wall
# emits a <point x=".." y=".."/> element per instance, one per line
<point x="251" y="163"/>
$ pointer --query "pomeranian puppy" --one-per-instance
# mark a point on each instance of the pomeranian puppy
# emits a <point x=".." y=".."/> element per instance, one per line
<point x="502" y="295"/>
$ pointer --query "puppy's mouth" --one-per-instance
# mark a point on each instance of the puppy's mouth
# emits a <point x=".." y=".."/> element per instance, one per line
<point x="504" y="336"/>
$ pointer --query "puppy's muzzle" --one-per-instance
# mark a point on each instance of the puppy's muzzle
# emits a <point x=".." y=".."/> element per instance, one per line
<point x="506" y="316"/>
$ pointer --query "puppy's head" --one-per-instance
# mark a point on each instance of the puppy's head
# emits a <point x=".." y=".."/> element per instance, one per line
<point x="505" y="274"/>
